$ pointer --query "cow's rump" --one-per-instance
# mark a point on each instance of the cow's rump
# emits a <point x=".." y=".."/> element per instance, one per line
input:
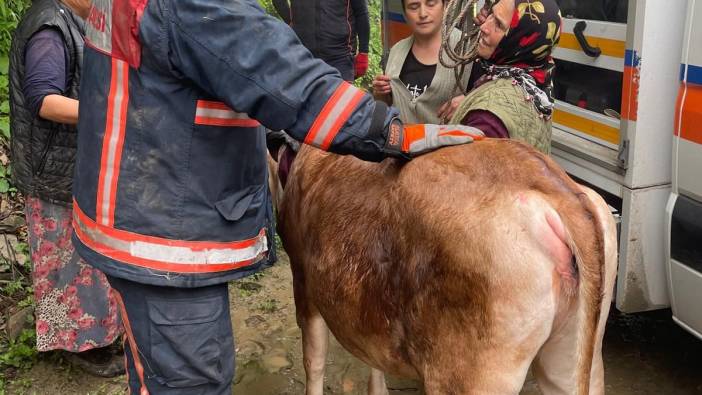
<point x="443" y="259"/>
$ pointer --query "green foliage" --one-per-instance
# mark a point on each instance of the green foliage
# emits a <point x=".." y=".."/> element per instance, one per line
<point x="375" y="46"/>
<point x="13" y="287"/>
<point x="21" y="352"/>
<point x="268" y="6"/>
<point x="5" y="177"/>
<point x="10" y="14"/>
<point x="268" y="306"/>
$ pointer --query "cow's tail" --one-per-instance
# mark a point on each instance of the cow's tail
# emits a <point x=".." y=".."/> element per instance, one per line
<point x="588" y="247"/>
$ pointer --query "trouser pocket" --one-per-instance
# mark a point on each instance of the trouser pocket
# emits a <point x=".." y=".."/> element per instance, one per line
<point x="189" y="340"/>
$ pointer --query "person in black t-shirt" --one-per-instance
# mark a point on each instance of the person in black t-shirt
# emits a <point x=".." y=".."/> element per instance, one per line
<point x="419" y="67"/>
<point x="417" y="76"/>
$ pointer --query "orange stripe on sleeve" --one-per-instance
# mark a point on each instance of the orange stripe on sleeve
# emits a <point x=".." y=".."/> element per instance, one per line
<point x="328" y="107"/>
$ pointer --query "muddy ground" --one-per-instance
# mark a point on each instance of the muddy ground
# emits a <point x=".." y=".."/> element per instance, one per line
<point x="644" y="353"/>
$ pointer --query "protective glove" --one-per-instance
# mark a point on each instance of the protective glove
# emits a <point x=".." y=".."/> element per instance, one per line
<point x="408" y="141"/>
<point x="360" y="65"/>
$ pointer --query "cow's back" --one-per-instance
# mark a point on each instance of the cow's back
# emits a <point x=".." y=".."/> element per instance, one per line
<point x="379" y="245"/>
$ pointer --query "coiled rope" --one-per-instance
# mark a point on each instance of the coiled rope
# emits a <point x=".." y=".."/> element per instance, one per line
<point x="459" y="14"/>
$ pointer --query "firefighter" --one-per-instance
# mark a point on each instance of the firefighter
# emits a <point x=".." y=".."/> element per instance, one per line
<point x="331" y="30"/>
<point x="170" y="190"/>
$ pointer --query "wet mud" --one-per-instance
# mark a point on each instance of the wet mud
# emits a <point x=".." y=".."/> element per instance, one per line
<point x="644" y="353"/>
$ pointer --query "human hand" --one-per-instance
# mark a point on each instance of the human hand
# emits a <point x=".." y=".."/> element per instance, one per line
<point x="408" y="141"/>
<point x="482" y="15"/>
<point x="381" y="85"/>
<point x="447" y="109"/>
<point x="360" y="65"/>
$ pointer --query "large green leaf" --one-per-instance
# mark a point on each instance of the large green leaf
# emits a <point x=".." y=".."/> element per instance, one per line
<point x="5" y="127"/>
<point x="4" y="185"/>
<point x="4" y="64"/>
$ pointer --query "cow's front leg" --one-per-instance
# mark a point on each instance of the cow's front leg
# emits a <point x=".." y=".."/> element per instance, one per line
<point x="315" y="341"/>
<point x="376" y="383"/>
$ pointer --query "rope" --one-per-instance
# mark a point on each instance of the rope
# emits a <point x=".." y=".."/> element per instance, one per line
<point x="459" y="15"/>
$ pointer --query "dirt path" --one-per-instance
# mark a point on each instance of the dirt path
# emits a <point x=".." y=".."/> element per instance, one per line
<point x="268" y="343"/>
<point x="644" y="354"/>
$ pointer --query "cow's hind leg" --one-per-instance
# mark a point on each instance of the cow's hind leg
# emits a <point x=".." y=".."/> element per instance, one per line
<point x="315" y="334"/>
<point x="376" y="383"/>
<point x="315" y="341"/>
<point x="554" y="367"/>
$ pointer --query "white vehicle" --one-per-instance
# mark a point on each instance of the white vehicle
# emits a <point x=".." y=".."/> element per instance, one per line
<point x="684" y="210"/>
<point x="625" y="125"/>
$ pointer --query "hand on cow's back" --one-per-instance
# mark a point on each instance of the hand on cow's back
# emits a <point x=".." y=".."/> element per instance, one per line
<point x="412" y="140"/>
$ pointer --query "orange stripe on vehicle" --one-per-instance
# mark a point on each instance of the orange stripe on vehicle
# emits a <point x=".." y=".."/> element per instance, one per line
<point x="609" y="47"/>
<point x="689" y="127"/>
<point x="587" y="126"/>
<point x="630" y="93"/>
<point x="132" y="343"/>
<point x="397" y="31"/>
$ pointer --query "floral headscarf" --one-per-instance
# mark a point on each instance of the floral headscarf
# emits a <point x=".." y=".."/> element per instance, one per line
<point x="524" y="53"/>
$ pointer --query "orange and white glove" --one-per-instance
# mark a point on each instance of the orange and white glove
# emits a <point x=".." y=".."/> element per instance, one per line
<point x="408" y="141"/>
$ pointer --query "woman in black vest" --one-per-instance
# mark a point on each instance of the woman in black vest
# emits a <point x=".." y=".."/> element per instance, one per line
<point x="75" y="311"/>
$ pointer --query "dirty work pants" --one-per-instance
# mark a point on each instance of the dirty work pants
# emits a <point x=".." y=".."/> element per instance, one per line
<point x="178" y="340"/>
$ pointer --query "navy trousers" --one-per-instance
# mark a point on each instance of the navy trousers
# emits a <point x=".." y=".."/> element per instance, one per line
<point x="344" y="65"/>
<point x="178" y="340"/>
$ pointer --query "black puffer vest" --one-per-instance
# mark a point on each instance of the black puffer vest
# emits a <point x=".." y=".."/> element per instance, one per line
<point x="43" y="152"/>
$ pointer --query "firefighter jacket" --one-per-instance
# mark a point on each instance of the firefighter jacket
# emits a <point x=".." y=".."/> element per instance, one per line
<point x="170" y="185"/>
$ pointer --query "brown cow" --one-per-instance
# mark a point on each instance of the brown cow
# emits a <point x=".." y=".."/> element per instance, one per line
<point x="460" y="268"/>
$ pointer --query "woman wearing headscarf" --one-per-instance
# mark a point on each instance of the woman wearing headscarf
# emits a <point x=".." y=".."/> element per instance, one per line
<point x="511" y="94"/>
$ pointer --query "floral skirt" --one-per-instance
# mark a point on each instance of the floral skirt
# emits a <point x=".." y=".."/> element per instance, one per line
<point x="75" y="310"/>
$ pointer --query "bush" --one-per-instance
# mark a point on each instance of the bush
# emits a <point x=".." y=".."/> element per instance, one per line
<point x="376" y="46"/>
<point x="10" y="14"/>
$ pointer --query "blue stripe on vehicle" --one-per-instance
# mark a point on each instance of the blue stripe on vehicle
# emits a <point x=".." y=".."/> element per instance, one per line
<point x="631" y="58"/>
<point x="396" y="17"/>
<point x="694" y="74"/>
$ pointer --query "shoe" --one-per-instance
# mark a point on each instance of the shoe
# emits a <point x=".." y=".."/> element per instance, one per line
<point x="101" y="362"/>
